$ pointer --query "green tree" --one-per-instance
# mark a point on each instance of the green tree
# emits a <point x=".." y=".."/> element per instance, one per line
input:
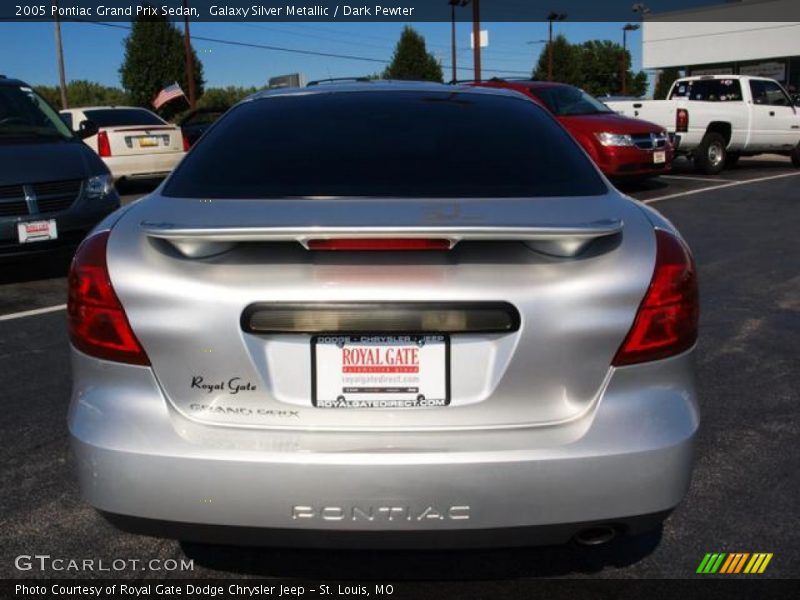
<point x="566" y="62"/>
<point x="411" y="59"/>
<point x="594" y="66"/>
<point x="665" y="80"/>
<point x="154" y="59"/>
<point x="602" y="62"/>
<point x="84" y="93"/>
<point x="224" y="97"/>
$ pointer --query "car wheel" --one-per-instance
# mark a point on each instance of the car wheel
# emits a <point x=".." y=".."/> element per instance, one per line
<point x="710" y="155"/>
<point x="796" y="156"/>
<point x="731" y="160"/>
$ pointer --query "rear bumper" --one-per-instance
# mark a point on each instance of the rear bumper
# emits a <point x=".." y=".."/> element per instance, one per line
<point x="383" y="539"/>
<point x="627" y="463"/>
<point x="143" y="166"/>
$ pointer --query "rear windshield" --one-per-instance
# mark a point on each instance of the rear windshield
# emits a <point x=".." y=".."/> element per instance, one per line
<point x="708" y="90"/>
<point x="371" y="144"/>
<point x="113" y="117"/>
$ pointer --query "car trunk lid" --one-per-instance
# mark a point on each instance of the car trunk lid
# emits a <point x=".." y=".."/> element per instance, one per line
<point x="199" y="279"/>
<point x="146" y="139"/>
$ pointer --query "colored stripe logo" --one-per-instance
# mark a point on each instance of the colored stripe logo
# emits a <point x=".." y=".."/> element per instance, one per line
<point x="734" y="563"/>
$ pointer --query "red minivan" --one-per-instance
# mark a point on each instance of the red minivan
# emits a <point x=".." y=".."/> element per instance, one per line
<point x="621" y="146"/>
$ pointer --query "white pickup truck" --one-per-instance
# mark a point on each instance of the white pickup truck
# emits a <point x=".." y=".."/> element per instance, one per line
<point x="718" y="118"/>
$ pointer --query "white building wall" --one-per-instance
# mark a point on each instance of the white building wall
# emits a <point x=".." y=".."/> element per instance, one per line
<point x="673" y="44"/>
<point x="720" y="34"/>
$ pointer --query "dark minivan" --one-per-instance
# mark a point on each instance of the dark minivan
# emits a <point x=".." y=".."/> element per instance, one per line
<point x="53" y="187"/>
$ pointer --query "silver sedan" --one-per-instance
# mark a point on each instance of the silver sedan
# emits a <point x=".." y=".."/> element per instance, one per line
<point x="384" y="314"/>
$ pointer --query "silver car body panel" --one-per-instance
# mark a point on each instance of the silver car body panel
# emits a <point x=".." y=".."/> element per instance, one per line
<point x="540" y="429"/>
<point x="575" y="311"/>
<point x="140" y="457"/>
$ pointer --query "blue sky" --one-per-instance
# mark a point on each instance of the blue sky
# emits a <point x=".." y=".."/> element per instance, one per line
<point x="94" y="52"/>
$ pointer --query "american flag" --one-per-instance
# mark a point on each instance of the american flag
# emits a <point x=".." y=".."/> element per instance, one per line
<point x="168" y="93"/>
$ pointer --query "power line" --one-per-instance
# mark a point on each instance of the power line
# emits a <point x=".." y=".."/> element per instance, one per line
<point x="251" y="45"/>
<point x="290" y="50"/>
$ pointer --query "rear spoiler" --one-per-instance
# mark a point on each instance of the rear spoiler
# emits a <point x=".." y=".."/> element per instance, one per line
<point x="558" y="240"/>
<point x="141" y="128"/>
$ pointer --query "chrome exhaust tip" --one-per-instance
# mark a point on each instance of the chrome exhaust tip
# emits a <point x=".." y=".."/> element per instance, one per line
<point x="596" y="536"/>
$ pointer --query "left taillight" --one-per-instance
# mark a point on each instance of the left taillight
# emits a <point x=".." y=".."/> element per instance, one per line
<point x="186" y="144"/>
<point x="103" y="145"/>
<point x="98" y="325"/>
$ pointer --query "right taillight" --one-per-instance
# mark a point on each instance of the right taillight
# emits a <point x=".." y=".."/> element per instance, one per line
<point x="666" y="322"/>
<point x="97" y="322"/>
<point x="103" y="145"/>
<point x="682" y="120"/>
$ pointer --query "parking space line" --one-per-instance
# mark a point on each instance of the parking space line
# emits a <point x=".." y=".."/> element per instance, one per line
<point x="31" y="313"/>
<point x="718" y="187"/>
<point x="690" y="178"/>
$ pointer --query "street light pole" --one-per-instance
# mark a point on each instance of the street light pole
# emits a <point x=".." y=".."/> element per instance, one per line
<point x="553" y="16"/>
<point x="187" y="43"/>
<point x="623" y="61"/>
<point x="62" y="80"/>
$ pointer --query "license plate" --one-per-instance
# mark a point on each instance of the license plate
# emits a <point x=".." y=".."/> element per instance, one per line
<point x="148" y="142"/>
<point x="659" y="158"/>
<point x="37" y="231"/>
<point x="380" y="371"/>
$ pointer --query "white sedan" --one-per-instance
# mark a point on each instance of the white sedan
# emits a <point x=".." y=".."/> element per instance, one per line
<point x="133" y="142"/>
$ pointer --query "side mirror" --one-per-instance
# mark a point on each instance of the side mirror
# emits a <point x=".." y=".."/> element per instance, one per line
<point x="87" y="129"/>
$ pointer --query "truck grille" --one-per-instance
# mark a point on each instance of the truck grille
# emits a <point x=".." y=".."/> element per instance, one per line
<point x="48" y="197"/>
<point x="650" y="141"/>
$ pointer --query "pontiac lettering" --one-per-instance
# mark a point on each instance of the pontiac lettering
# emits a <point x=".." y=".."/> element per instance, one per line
<point x="381" y="513"/>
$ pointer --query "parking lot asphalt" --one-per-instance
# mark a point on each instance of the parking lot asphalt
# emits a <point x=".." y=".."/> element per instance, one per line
<point x="743" y="228"/>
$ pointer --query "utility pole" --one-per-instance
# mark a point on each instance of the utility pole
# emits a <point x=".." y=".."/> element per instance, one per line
<point x="62" y="80"/>
<point x="453" y="58"/>
<point x="476" y="38"/>
<point x="623" y="61"/>
<point x="187" y="43"/>
<point x="553" y="16"/>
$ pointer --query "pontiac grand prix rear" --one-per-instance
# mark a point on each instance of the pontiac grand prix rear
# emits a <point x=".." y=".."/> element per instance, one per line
<point x="378" y="314"/>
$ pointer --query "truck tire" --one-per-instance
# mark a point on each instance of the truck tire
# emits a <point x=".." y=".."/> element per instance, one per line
<point x="709" y="157"/>
<point x="796" y="156"/>
<point x="732" y="159"/>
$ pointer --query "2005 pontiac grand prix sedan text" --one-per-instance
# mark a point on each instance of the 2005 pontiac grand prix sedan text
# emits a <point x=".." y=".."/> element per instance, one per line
<point x="384" y="314"/>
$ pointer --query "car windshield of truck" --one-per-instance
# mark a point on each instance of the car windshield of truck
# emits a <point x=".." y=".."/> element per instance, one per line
<point x="565" y="101"/>
<point x="24" y="115"/>
<point x="114" y="117"/>
<point x="708" y="90"/>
